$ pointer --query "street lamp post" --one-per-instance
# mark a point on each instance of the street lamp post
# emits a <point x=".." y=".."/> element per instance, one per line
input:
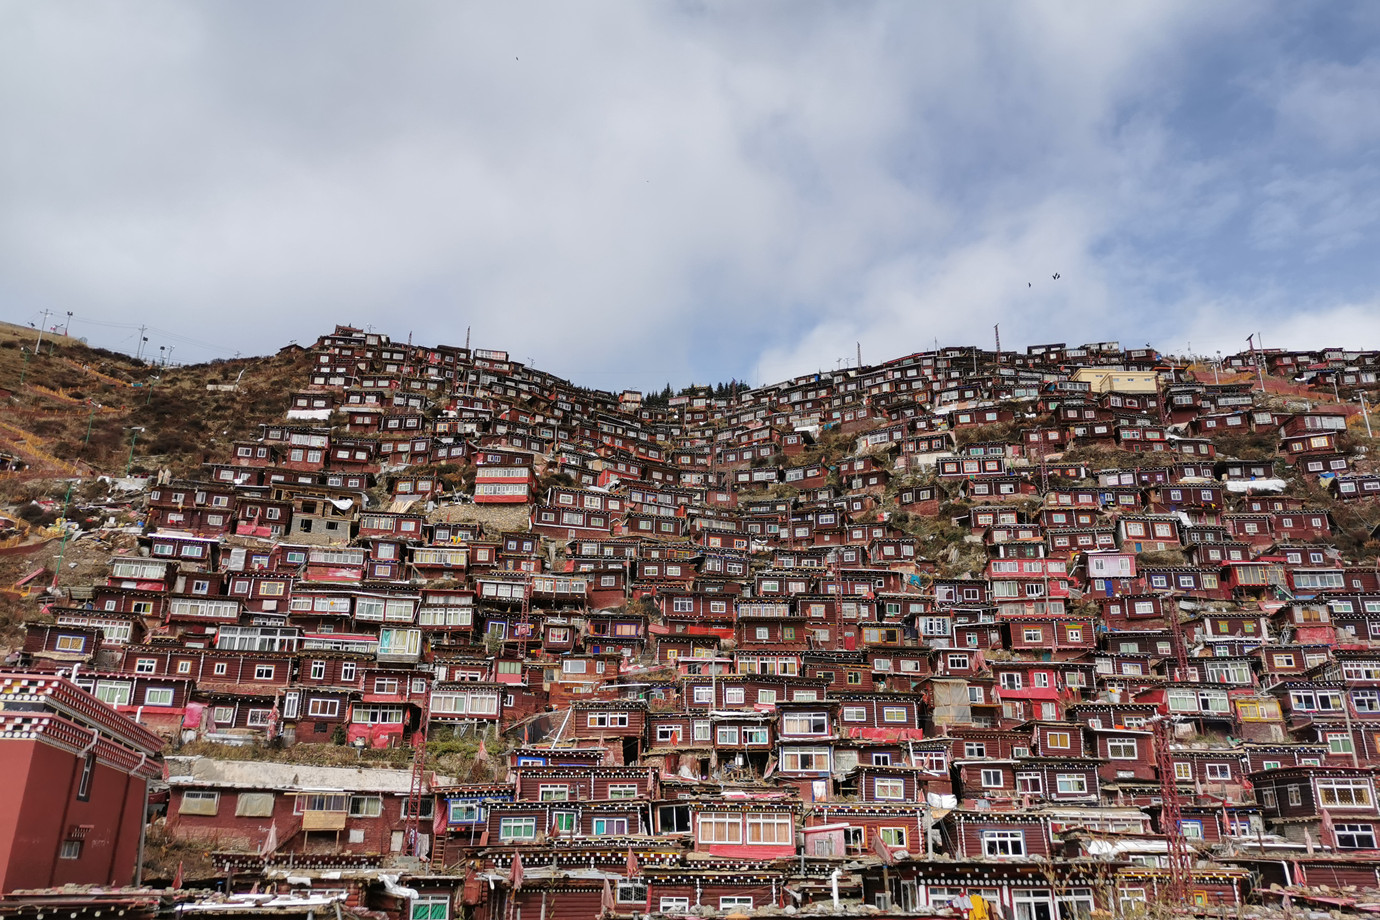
<point x="25" y="370"/>
<point x="89" y="420"/>
<point x="132" y="441"/>
<point x="1365" y="414"/>
<point x="62" y="547"/>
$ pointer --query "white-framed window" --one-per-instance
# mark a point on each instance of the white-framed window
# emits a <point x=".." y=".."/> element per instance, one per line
<point x="158" y="696"/>
<point x="607" y="720"/>
<point x="1355" y="836"/>
<point x="805" y="723"/>
<point x="720" y="828"/>
<point x="991" y="779"/>
<point x="770" y="829"/>
<point x="805" y="760"/>
<point x="1122" y="749"/>
<point x="892" y="836"/>
<point x="757" y="736"/>
<point x="1344" y="793"/>
<point x="113" y="692"/>
<point x="885" y="789"/>
<point x="366" y="806"/>
<point x="1072" y="783"/>
<point x="517" y="828"/>
<point x="1002" y="843"/>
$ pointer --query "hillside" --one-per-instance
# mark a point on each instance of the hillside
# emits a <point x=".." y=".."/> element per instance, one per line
<point x="799" y="595"/>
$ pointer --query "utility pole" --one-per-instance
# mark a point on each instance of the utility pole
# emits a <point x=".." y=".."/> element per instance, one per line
<point x="90" y="419"/>
<point x="139" y="354"/>
<point x="41" y="325"/>
<point x="1255" y="356"/>
<point x="1365" y="414"/>
<point x="62" y="547"/>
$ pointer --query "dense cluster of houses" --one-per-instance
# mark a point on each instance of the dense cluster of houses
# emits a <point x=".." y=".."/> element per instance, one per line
<point x="872" y="634"/>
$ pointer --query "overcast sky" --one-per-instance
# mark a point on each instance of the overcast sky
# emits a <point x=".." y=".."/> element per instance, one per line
<point x="631" y="193"/>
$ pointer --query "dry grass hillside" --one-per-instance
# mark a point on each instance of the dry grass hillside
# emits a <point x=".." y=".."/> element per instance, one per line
<point x="72" y="410"/>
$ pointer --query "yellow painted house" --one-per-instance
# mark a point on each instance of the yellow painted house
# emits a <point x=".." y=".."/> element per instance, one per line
<point x="1118" y="380"/>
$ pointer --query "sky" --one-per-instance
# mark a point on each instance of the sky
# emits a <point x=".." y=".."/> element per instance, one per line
<point x="635" y="193"/>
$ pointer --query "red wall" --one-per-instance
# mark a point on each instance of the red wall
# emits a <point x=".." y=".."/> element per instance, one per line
<point x="39" y="804"/>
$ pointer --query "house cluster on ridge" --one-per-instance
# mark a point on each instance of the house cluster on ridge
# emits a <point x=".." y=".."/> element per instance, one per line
<point x="892" y="633"/>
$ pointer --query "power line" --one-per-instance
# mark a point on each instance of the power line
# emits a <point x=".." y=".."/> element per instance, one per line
<point x="161" y="333"/>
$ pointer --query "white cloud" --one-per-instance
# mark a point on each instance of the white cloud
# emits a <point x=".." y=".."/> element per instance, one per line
<point x="1224" y="326"/>
<point x="629" y="193"/>
<point x="1335" y="104"/>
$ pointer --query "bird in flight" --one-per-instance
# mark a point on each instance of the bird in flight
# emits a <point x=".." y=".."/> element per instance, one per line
<point x="1056" y="276"/>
